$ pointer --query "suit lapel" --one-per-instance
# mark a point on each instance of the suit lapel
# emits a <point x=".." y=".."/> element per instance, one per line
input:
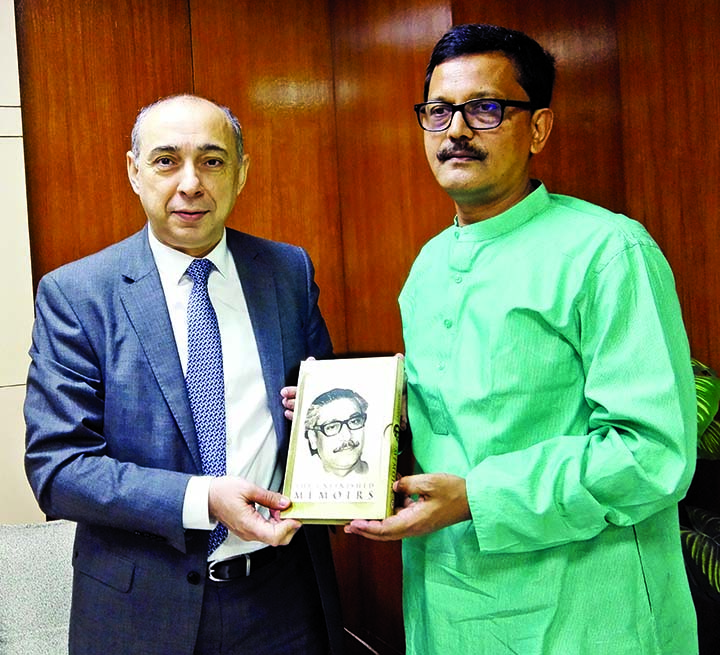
<point x="141" y="296"/>
<point x="258" y="284"/>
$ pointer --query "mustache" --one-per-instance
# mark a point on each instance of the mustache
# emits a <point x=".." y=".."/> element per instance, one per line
<point x="350" y="444"/>
<point x="449" y="152"/>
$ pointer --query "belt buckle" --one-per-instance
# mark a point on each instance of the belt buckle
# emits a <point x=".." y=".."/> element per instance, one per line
<point x="211" y="569"/>
<point x="211" y="572"/>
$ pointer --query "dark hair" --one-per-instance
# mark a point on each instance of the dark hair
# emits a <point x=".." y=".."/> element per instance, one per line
<point x="323" y="399"/>
<point x="311" y="418"/>
<point x="534" y="66"/>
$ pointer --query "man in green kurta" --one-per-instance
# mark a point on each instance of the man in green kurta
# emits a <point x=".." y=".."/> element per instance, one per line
<point x="550" y="393"/>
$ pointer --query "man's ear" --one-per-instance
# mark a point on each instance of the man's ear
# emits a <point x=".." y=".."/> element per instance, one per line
<point x="541" y="124"/>
<point x="242" y="172"/>
<point x="311" y="436"/>
<point x="132" y="171"/>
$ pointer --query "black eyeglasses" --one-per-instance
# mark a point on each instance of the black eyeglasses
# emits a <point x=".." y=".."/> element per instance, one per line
<point x="479" y="114"/>
<point x="332" y="428"/>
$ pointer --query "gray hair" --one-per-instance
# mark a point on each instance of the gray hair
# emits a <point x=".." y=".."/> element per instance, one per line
<point x="232" y="120"/>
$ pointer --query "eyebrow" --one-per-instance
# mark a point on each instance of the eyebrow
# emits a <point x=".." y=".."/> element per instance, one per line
<point x="206" y="147"/>
<point x="480" y="95"/>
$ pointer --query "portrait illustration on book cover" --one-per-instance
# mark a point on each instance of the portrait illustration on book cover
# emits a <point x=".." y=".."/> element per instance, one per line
<point x="343" y="444"/>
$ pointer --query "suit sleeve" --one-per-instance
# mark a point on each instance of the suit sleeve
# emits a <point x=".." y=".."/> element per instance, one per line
<point x="319" y="344"/>
<point x="68" y="460"/>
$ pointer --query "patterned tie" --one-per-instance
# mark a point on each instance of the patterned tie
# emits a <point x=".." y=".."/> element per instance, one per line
<point x="205" y="381"/>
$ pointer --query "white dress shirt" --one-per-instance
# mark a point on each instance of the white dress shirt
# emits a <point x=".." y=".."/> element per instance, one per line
<point x="251" y="440"/>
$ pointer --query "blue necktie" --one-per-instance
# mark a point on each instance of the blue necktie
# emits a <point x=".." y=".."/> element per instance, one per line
<point x="205" y="381"/>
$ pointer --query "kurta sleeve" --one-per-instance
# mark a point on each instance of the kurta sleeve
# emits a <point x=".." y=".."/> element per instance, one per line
<point x="637" y="456"/>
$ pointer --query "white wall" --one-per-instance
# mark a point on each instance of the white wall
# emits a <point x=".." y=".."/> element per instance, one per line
<point x="17" y="504"/>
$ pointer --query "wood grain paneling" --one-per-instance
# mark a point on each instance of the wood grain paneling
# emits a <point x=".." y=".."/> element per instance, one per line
<point x="583" y="157"/>
<point x="390" y="206"/>
<point x="272" y="63"/>
<point x="85" y="69"/>
<point x="390" y="203"/>
<point x="324" y="89"/>
<point x="670" y="73"/>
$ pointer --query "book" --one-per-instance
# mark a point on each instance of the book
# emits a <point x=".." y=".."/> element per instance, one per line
<point x="342" y="458"/>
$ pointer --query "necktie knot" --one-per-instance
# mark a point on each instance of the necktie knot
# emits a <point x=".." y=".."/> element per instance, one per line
<point x="199" y="270"/>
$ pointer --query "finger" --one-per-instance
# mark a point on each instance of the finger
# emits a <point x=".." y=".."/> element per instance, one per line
<point x="412" y="485"/>
<point x="283" y="532"/>
<point x="364" y="528"/>
<point x="270" y="499"/>
<point x="288" y="393"/>
<point x="390" y="529"/>
<point x="407" y="501"/>
<point x="273" y="533"/>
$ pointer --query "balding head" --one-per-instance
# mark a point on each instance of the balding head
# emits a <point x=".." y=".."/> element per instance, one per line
<point x="232" y="120"/>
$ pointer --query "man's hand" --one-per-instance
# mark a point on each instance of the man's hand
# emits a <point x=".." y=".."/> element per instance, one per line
<point x="441" y="501"/>
<point x="288" y="400"/>
<point x="232" y="502"/>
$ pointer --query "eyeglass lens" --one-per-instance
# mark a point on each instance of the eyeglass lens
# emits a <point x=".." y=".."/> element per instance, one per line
<point x="478" y="114"/>
<point x="332" y="428"/>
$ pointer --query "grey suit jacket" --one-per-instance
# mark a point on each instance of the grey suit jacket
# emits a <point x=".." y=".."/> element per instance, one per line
<point x="111" y="442"/>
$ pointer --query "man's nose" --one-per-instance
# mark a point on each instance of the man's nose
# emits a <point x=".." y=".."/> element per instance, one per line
<point x="458" y="127"/>
<point x="190" y="184"/>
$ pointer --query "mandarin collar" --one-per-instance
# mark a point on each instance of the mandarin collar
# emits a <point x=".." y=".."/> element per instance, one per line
<point x="519" y="214"/>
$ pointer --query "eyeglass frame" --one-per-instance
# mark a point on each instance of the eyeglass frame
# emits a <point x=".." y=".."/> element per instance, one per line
<point x="521" y="104"/>
<point x="346" y="422"/>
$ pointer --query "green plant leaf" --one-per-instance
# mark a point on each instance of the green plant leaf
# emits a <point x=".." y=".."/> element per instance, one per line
<point x="701" y="544"/>
<point x="707" y="388"/>
<point x="709" y="441"/>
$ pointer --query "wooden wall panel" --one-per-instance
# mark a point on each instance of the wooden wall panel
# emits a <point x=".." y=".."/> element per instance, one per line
<point x="272" y="63"/>
<point x="390" y="206"/>
<point x="85" y="69"/>
<point x="583" y="157"/>
<point x="390" y="203"/>
<point x="670" y="73"/>
<point x="325" y="90"/>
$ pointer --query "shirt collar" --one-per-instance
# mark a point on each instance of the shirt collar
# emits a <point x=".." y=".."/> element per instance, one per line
<point x="529" y="207"/>
<point x="172" y="263"/>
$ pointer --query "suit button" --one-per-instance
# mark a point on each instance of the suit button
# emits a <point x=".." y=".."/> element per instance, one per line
<point x="193" y="577"/>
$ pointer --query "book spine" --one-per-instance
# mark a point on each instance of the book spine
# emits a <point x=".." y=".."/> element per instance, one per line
<point x="395" y="436"/>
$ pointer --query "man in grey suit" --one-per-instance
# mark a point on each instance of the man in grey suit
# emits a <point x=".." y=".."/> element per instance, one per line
<point x="114" y="437"/>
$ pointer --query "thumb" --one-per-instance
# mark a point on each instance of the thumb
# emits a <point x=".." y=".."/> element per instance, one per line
<point x="270" y="499"/>
<point x="408" y="485"/>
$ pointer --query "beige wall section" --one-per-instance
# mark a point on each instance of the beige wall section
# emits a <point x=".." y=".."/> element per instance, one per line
<point x="18" y="504"/>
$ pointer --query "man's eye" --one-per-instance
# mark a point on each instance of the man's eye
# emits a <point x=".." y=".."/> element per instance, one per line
<point x="214" y="162"/>
<point x="332" y="428"/>
<point x="438" y="111"/>
<point x="164" y="161"/>
<point x="483" y="107"/>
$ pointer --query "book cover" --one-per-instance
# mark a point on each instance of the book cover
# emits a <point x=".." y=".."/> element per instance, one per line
<point x="342" y="459"/>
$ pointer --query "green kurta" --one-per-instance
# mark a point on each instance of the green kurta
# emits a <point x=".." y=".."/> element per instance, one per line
<point x="548" y="365"/>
